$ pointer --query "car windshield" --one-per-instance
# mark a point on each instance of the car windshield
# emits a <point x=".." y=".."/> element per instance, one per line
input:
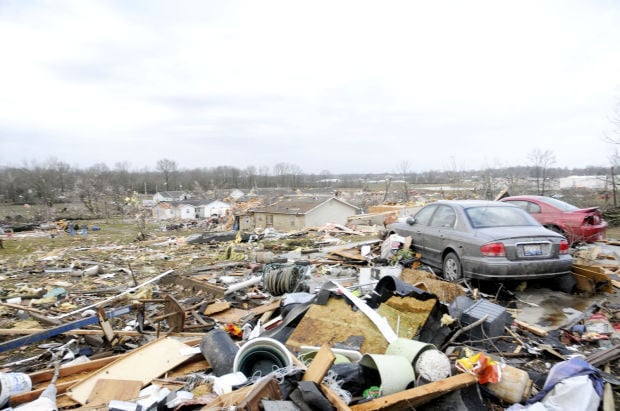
<point x="481" y="217"/>
<point x="560" y="204"/>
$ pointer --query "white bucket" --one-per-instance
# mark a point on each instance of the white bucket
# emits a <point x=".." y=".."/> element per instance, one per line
<point x="13" y="383"/>
<point x="261" y="356"/>
<point x="395" y="372"/>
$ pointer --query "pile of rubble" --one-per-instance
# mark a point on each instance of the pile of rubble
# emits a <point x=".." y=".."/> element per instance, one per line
<point x="315" y="320"/>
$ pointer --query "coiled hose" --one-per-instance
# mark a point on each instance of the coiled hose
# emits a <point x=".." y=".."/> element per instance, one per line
<point x="280" y="279"/>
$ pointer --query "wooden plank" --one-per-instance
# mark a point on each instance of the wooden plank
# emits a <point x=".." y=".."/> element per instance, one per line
<point x="106" y="390"/>
<point x="261" y="309"/>
<point x="609" y="403"/>
<point x="232" y="315"/>
<point x="336" y="401"/>
<point x="190" y="283"/>
<point x="70" y="375"/>
<point x="320" y="364"/>
<point x="266" y="389"/>
<point x="531" y="328"/>
<point x="144" y="364"/>
<point x="226" y="400"/>
<point x="417" y="396"/>
<point x="216" y="307"/>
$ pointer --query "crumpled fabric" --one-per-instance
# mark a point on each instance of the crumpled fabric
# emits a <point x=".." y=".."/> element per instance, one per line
<point x="483" y="367"/>
<point x="574" y="393"/>
<point x="567" y="369"/>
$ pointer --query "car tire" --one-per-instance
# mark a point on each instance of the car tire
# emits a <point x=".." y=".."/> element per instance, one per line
<point x="565" y="283"/>
<point x="452" y="270"/>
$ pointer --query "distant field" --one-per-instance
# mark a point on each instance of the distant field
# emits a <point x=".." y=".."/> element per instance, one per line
<point x="613" y="233"/>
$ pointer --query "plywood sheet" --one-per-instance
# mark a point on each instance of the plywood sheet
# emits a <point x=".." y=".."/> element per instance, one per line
<point x="334" y="323"/>
<point x="106" y="390"/>
<point x="406" y="315"/>
<point x="142" y="364"/>
<point x="232" y="315"/>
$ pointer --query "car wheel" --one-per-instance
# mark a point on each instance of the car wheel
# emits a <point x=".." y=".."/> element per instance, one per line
<point x="452" y="270"/>
<point x="565" y="283"/>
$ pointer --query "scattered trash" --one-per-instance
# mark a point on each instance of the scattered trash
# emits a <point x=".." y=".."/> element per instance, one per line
<point x="321" y="318"/>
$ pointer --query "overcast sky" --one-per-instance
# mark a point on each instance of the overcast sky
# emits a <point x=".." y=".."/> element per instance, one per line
<point x="344" y="86"/>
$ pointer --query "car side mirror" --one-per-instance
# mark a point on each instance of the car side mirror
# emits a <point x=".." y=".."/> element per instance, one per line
<point x="410" y="220"/>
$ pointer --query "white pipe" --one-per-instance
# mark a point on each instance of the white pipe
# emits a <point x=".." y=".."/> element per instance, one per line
<point x="243" y="284"/>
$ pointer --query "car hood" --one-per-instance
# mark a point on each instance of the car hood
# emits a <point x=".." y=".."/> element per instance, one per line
<point x="502" y="233"/>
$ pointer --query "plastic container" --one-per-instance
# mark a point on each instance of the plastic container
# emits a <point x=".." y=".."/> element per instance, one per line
<point x="514" y="385"/>
<point x="410" y="349"/>
<point x="261" y="356"/>
<point x="13" y="383"/>
<point x="395" y="373"/>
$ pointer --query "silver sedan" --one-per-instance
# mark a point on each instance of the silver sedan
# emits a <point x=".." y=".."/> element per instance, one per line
<point x="485" y="240"/>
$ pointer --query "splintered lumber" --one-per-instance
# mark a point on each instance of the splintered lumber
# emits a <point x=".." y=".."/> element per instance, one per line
<point x="29" y="339"/>
<point x="417" y="396"/>
<point x="142" y="364"/>
<point x="246" y="395"/>
<point x="592" y="279"/>
<point x="68" y="375"/>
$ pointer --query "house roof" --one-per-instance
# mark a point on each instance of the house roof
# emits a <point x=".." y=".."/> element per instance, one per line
<point x="298" y="205"/>
<point x="193" y="203"/>
<point x="171" y="194"/>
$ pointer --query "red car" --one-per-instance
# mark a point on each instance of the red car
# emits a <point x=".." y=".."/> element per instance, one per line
<point x="576" y="224"/>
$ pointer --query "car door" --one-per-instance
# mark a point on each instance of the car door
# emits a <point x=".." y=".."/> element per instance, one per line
<point x="420" y="228"/>
<point x="532" y="208"/>
<point x="439" y="233"/>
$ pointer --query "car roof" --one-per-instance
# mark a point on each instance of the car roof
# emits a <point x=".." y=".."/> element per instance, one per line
<point x="473" y="203"/>
<point x="526" y="197"/>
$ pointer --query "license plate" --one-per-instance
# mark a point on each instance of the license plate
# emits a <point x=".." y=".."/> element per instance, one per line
<point x="532" y="249"/>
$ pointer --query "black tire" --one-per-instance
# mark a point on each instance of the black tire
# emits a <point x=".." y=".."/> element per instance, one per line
<point x="451" y="268"/>
<point x="565" y="283"/>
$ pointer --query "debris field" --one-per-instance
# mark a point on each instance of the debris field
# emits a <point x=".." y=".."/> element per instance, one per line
<point x="327" y="318"/>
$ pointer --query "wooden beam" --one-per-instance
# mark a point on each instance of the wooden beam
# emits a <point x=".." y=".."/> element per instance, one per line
<point x="320" y="364"/>
<point x="417" y="396"/>
<point x="531" y="328"/>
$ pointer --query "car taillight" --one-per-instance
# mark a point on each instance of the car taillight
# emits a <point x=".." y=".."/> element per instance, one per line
<point x="564" y="247"/>
<point x="493" y="250"/>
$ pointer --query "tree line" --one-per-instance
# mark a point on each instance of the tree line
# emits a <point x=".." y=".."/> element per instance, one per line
<point x="55" y="181"/>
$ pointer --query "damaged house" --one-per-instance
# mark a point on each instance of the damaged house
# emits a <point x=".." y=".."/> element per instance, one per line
<point x="171" y="196"/>
<point x="189" y="209"/>
<point x="297" y="212"/>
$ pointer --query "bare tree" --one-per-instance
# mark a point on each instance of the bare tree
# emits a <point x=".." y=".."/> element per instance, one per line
<point x="168" y="168"/>
<point x="404" y="169"/>
<point x="541" y="161"/>
<point x="388" y="183"/>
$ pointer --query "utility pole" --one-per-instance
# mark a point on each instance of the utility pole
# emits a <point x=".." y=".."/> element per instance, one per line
<point x="613" y="185"/>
